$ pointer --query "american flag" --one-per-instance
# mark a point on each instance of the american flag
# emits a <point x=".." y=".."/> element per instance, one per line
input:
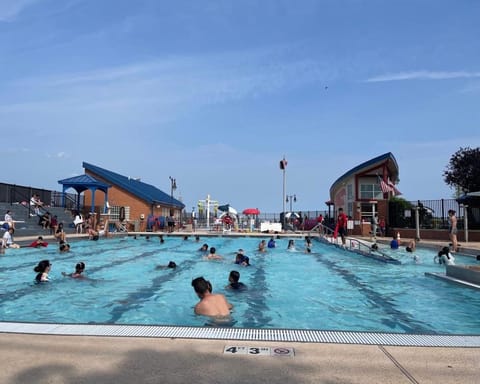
<point x="394" y="189"/>
<point x="384" y="186"/>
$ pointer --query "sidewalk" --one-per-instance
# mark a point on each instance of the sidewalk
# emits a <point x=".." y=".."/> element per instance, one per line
<point x="80" y="359"/>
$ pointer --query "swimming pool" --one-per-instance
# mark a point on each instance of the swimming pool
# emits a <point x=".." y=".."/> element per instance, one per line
<point x="329" y="289"/>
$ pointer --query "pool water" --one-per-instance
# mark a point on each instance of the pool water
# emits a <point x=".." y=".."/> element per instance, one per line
<point x="328" y="289"/>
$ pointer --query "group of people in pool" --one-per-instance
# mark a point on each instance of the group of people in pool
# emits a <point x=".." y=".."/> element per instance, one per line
<point x="444" y="256"/>
<point x="43" y="268"/>
<point x="215" y="305"/>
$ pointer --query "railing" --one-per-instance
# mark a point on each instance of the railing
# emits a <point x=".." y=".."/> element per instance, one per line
<point x="433" y="214"/>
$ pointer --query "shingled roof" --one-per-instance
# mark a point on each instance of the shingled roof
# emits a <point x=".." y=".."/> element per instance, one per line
<point x="143" y="191"/>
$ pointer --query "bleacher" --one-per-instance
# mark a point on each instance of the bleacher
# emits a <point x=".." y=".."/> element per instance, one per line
<point x="27" y="225"/>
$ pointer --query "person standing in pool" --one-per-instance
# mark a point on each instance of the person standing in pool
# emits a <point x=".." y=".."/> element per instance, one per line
<point x="42" y="269"/>
<point x="261" y="246"/>
<point x="291" y="245"/>
<point x="78" y="274"/>
<point x="241" y="259"/>
<point x="210" y="304"/>
<point x="271" y="243"/>
<point x="234" y="282"/>
<point x="213" y="255"/>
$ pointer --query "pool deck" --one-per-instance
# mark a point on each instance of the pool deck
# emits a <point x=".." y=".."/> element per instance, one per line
<point x="36" y="358"/>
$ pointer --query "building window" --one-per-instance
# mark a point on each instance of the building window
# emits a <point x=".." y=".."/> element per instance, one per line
<point x="371" y="191"/>
<point x="350" y="192"/>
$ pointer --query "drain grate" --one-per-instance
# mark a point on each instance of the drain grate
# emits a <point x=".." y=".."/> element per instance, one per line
<point x="285" y="335"/>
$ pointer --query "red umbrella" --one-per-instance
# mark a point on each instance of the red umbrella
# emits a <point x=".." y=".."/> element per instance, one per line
<point x="251" y="211"/>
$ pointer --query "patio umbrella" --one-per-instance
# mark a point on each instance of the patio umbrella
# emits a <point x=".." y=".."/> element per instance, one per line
<point x="227" y="208"/>
<point x="251" y="211"/>
<point x="290" y="214"/>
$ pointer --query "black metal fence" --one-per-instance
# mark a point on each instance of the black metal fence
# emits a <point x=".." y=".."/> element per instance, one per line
<point x="12" y="193"/>
<point x="433" y="214"/>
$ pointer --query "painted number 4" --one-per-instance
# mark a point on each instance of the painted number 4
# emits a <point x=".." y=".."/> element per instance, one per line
<point x="231" y="350"/>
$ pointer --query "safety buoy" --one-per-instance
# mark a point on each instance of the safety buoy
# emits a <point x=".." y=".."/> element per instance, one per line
<point x="121" y="214"/>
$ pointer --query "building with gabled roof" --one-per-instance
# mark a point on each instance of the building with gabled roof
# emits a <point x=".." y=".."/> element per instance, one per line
<point x="365" y="190"/>
<point x="138" y="198"/>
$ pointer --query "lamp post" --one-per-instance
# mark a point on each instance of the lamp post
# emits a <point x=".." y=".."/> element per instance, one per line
<point x="283" y="167"/>
<point x="292" y="199"/>
<point x="173" y="187"/>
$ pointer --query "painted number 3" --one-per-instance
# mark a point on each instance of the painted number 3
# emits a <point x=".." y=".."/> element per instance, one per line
<point x="253" y="351"/>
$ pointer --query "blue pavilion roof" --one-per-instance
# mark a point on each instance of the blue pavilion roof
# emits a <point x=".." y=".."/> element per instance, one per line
<point x="83" y="182"/>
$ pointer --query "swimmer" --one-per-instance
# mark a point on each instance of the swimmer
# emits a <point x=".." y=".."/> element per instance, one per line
<point x="79" y="269"/>
<point x="444" y="257"/>
<point x="203" y="248"/>
<point x="213" y="255"/>
<point x="42" y="269"/>
<point x="63" y="246"/>
<point x="241" y="259"/>
<point x="271" y="243"/>
<point x="394" y="243"/>
<point x="291" y="245"/>
<point x="411" y="246"/>
<point x="170" y="265"/>
<point x="261" y="246"/>
<point x="308" y="244"/>
<point x="38" y="243"/>
<point x="210" y="304"/>
<point x="234" y="282"/>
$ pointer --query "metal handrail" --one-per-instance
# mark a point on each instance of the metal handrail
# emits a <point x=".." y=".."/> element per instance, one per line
<point x="353" y="245"/>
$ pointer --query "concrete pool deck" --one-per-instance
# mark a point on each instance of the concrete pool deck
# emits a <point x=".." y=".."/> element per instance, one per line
<point x="84" y="359"/>
<point x="33" y="358"/>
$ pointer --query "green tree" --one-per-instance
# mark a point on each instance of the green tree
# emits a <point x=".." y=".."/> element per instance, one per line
<point x="463" y="170"/>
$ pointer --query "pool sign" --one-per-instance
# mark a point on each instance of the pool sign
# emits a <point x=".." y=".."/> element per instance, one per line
<point x="258" y="351"/>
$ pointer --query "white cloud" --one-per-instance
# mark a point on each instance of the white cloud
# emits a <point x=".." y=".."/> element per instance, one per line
<point x="166" y="85"/>
<point x="10" y="9"/>
<point x="424" y="75"/>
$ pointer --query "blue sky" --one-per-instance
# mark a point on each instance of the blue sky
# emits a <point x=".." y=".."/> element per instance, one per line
<point x="215" y="93"/>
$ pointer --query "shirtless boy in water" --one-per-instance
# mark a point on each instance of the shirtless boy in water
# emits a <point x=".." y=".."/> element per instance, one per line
<point x="213" y="305"/>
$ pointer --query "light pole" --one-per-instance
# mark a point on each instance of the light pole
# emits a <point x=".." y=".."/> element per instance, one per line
<point x="283" y="167"/>
<point x="173" y="186"/>
<point x="292" y="199"/>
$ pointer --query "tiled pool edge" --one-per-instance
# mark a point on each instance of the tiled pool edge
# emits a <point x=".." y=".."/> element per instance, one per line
<point x="247" y="334"/>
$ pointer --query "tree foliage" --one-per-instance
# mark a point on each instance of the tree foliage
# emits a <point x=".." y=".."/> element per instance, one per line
<point x="463" y="170"/>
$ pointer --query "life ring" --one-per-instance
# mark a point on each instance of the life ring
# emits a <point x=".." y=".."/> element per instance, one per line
<point x="121" y="214"/>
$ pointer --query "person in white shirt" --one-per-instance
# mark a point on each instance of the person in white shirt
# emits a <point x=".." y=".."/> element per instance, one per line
<point x="8" y="239"/>
<point x="9" y="219"/>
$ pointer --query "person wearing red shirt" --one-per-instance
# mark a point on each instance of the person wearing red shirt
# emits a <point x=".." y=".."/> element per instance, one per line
<point x="341" y="227"/>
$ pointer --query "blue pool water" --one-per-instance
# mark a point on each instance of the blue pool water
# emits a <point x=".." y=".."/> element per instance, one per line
<point x="329" y="289"/>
